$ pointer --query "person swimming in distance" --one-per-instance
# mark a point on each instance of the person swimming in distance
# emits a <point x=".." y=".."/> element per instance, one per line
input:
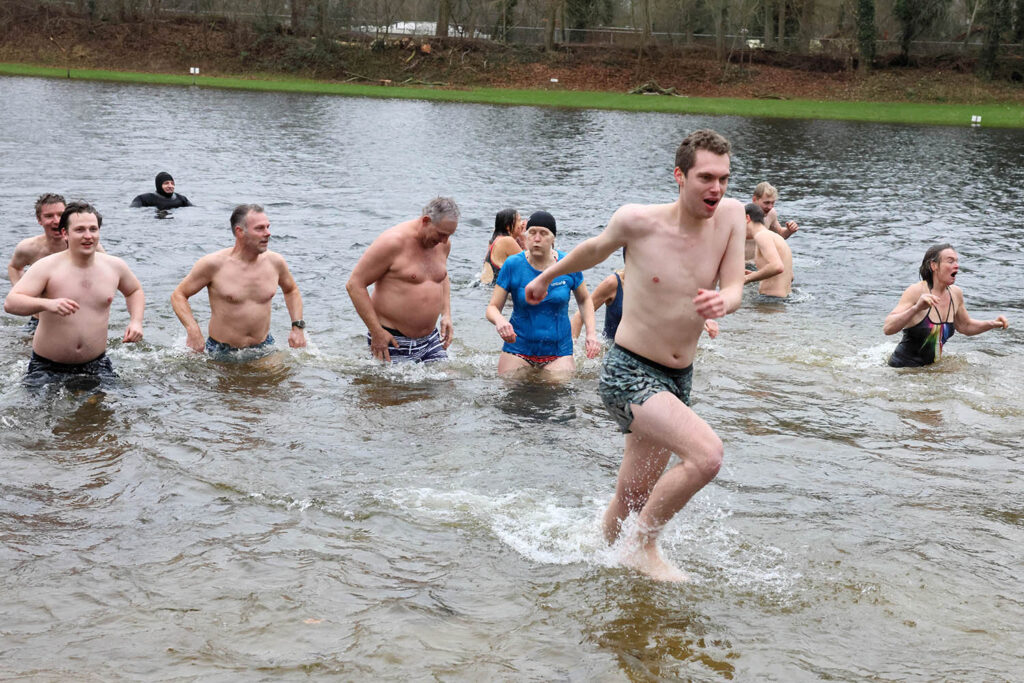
<point x="919" y="314"/>
<point x="164" y="197"/>
<point x="506" y="240"/>
<point x="539" y="335"/>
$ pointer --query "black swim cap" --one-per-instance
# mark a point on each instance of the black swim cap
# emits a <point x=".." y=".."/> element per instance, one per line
<point x="543" y="219"/>
<point x="161" y="178"/>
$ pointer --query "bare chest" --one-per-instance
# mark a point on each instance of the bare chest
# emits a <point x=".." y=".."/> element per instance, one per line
<point x="676" y="265"/>
<point x="419" y="267"/>
<point x="245" y="284"/>
<point x="92" y="289"/>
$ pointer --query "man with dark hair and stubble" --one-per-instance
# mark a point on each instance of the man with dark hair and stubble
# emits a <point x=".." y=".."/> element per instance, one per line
<point x="677" y="254"/>
<point x="241" y="281"/>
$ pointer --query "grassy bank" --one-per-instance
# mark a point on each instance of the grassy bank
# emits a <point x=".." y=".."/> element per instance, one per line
<point x="993" y="115"/>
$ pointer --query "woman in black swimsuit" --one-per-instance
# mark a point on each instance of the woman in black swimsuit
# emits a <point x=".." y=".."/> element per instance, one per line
<point x="929" y="311"/>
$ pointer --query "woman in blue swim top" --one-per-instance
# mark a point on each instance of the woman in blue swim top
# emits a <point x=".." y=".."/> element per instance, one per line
<point x="930" y="311"/>
<point x="538" y="336"/>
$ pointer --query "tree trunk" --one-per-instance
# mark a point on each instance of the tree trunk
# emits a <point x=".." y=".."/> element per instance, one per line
<point x="970" y="22"/>
<point x="782" y="24"/>
<point x="719" y="19"/>
<point x="549" y="30"/>
<point x="297" y="12"/>
<point x="997" y="12"/>
<point x="645" y="38"/>
<point x="866" y="33"/>
<point x="444" y="12"/>
<point x="1018" y="23"/>
<point x="768" y="23"/>
<point x="321" y="17"/>
<point x="806" y="26"/>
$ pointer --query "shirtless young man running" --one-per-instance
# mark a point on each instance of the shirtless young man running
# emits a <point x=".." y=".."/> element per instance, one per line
<point x="677" y="253"/>
<point x="407" y="265"/>
<point x="72" y="291"/>
<point x="241" y="281"/>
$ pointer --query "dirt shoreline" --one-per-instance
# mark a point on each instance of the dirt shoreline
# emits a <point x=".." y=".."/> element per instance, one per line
<point x="223" y="48"/>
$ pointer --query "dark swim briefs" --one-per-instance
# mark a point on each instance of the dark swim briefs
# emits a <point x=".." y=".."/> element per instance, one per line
<point x="629" y="378"/>
<point x="428" y="349"/>
<point x="225" y="352"/>
<point x="42" y="368"/>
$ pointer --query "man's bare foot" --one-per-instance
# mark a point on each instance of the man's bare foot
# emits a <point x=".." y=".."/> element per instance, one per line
<point x="647" y="559"/>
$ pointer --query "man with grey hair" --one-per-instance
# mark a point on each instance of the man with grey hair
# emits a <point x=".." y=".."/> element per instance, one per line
<point x="241" y="282"/>
<point x="408" y="268"/>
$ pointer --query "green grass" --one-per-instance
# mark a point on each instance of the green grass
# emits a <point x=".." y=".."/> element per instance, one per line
<point x="993" y="115"/>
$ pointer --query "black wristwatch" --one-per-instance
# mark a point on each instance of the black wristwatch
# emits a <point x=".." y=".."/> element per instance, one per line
<point x="301" y="324"/>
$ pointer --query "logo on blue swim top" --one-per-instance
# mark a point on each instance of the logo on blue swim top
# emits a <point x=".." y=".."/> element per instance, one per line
<point x="558" y="283"/>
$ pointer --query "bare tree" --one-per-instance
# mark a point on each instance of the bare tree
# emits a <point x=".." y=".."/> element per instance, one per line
<point x="866" y="33"/>
<point x="997" y="17"/>
<point x="444" y="13"/>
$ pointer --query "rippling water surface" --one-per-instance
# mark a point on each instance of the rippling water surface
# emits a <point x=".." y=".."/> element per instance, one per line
<point x="319" y="514"/>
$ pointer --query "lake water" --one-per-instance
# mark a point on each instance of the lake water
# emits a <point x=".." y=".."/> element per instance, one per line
<point x="322" y="515"/>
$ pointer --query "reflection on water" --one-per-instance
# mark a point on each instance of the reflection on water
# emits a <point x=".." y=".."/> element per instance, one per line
<point x="314" y="512"/>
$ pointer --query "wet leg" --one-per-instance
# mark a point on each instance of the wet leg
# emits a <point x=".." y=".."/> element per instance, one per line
<point x="666" y="423"/>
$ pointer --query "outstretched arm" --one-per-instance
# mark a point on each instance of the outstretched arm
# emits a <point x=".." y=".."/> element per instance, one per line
<point x="586" y="254"/>
<point x="965" y="324"/>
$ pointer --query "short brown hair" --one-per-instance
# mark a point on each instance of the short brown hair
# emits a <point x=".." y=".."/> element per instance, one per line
<point x="242" y="212"/>
<point x="79" y="207"/>
<point x="686" y="155"/>
<point x="48" y="198"/>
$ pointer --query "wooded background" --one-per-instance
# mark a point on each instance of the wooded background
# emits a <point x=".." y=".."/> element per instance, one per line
<point x="856" y="30"/>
